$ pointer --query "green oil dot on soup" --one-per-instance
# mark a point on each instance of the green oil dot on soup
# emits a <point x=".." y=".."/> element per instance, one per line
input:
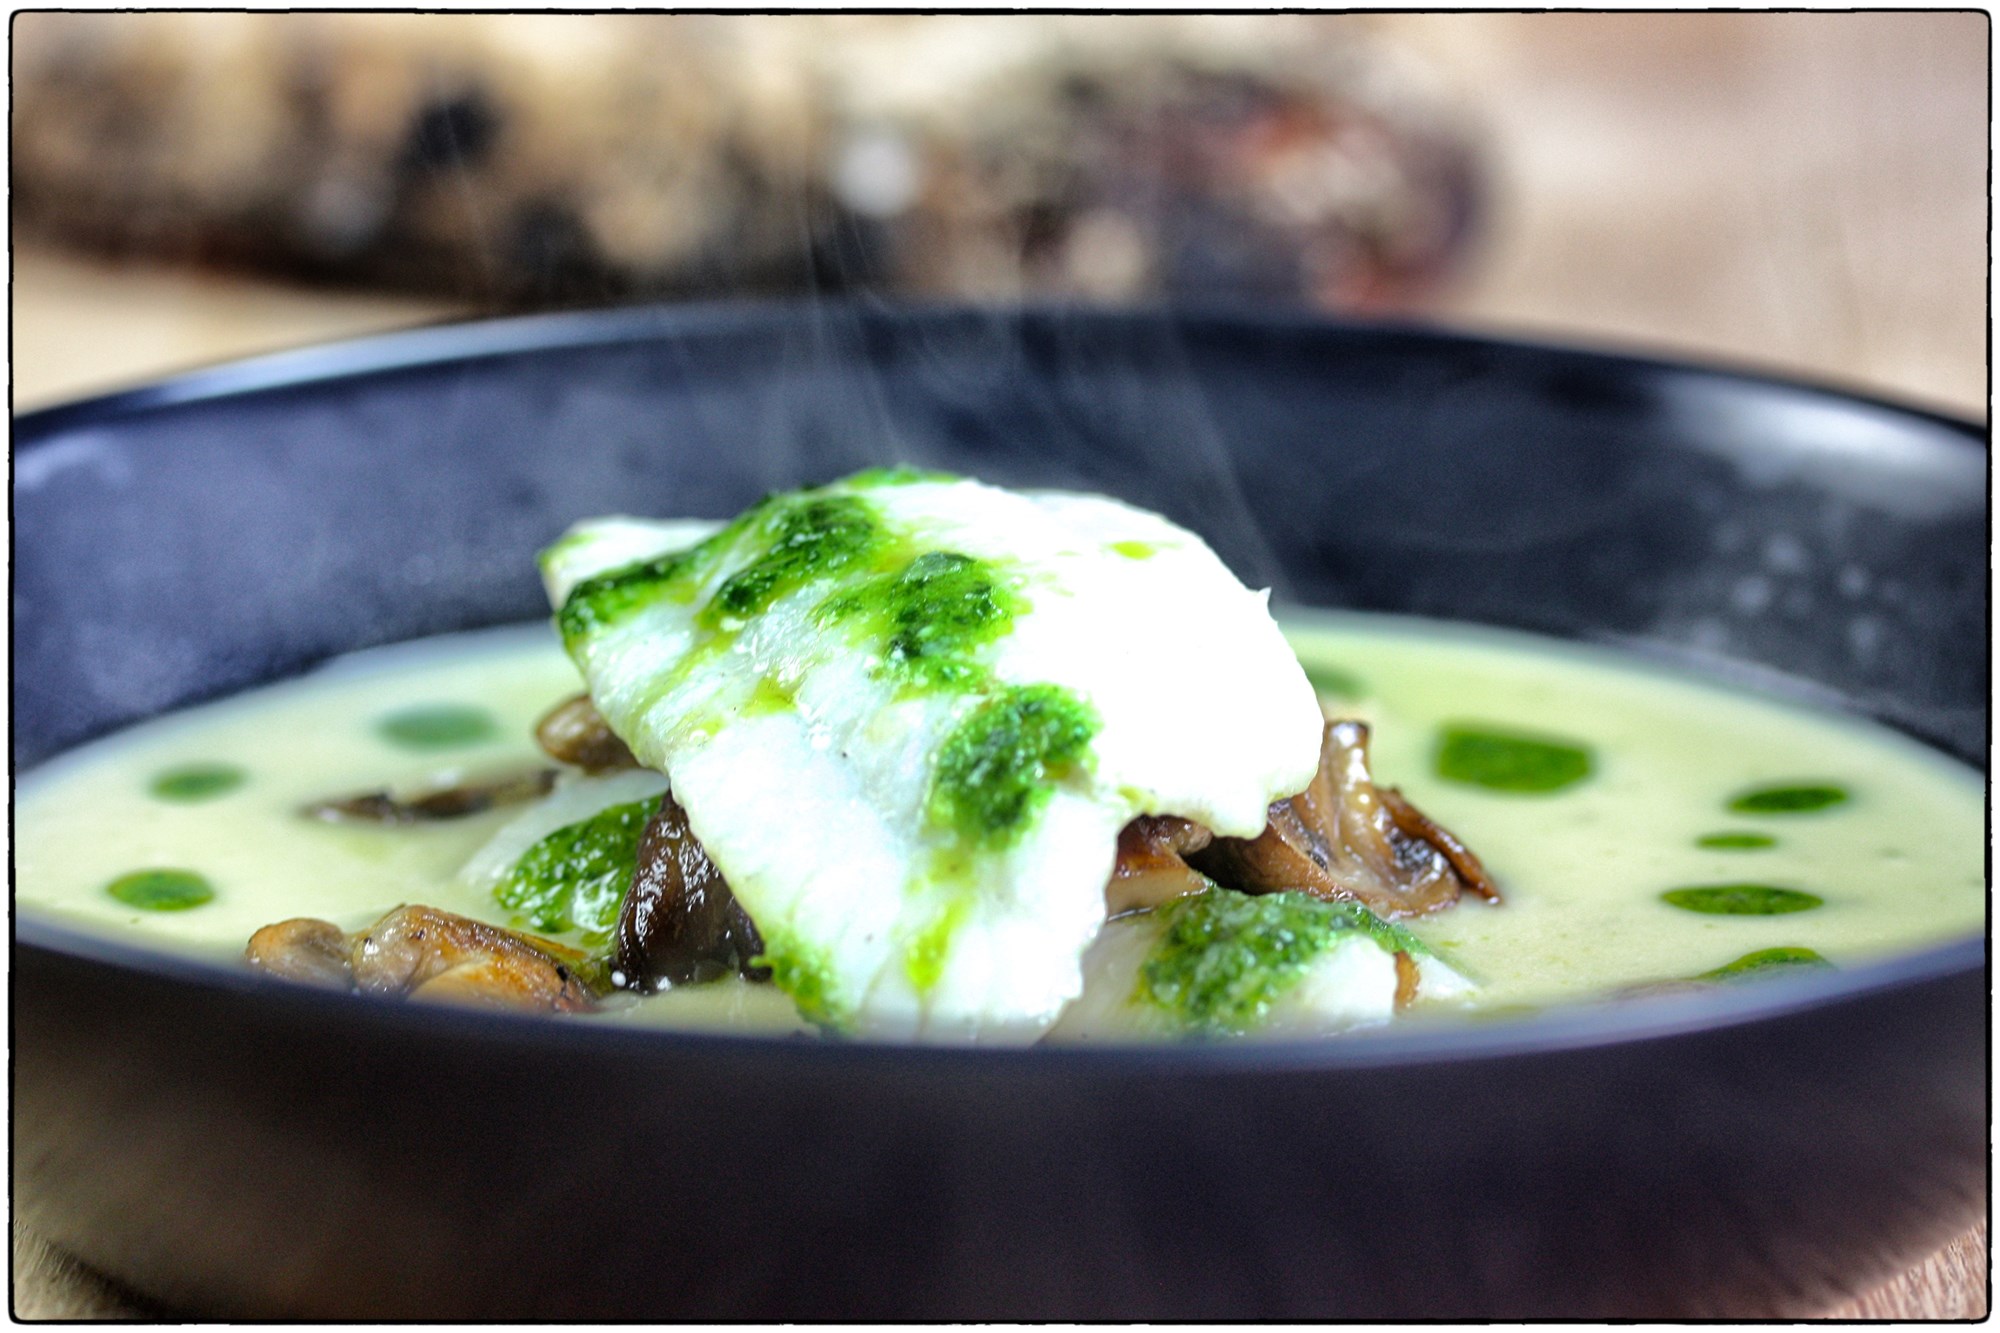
<point x="1736" y="842"/>
<point x="438" y="727"/>
<point x="1510" y="761"/>
<point x="1802" y="798"/>
<point x="196" y="782"/>
<point x="1741" y="899"/>
<point x="161" y="890"/>
<point x="1768" y="963"/>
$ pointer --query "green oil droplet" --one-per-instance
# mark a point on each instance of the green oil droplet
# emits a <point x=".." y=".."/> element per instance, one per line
<point x="438" y="727"/>
<point x="1509" y="761"/>
<point x="161" y="890"/>
<point x="1736" y="842"/>
<point x="196" y="782"/>
<point x="1790" y="799"/>
<point x="1741" y="899"/>
<point x="1769" y="962"/>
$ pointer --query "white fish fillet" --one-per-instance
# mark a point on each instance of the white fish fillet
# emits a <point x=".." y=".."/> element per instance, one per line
<point x="808" y="768"/>
<point x="1352" y="984"/>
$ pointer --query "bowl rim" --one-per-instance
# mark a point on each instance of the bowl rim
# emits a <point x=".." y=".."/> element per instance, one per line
<point x="1560" y="1028"/>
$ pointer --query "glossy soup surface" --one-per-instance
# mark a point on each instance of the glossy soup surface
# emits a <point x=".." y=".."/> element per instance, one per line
<point x="1644" y="826"/>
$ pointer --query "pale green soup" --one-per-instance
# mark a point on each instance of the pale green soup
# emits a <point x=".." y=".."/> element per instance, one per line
<point x="1618" y="805"/>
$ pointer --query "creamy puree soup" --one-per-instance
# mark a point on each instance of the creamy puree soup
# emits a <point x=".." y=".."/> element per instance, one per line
<point x="1643" y="826"/>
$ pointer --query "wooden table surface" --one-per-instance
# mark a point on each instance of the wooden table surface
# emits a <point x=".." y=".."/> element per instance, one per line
<point x="1951" y="1284"/>
<point x="1803" y="192"/>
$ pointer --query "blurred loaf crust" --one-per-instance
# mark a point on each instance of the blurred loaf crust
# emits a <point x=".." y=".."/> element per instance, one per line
<point x="528" y="160"/>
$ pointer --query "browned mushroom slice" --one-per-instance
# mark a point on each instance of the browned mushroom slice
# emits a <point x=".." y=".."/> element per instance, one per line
<point x="427" y="954"/>
<point x="1415" y="824"/>
<point x="1344" y="837"/>
<point x="575" y="733"/>
<point x="679" y="922"/>
<point x="1151" y="867"/>
<point x="302" y="949"/>
<point x="1283" y="856"/>
<point x="454" y="802"/>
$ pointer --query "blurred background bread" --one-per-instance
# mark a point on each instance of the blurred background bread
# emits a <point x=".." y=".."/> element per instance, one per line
<point x="524" y="160"/>
<point x="1804" y="192"/>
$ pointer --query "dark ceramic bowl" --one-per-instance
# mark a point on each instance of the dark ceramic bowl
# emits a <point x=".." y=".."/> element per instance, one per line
<point x="226" y="1144"/>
